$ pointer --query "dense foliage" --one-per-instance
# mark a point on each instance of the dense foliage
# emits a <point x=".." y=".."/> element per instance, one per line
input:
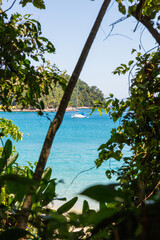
<point x="124" y="210"/>
<point x="22" y="44"/>
<point x="138" y="131"/>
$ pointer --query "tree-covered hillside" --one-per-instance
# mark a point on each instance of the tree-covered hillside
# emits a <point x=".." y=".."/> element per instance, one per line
<point x="86" y="95"/>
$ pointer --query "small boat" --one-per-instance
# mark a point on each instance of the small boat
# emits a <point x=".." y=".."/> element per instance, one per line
<point x="78" y="115"/>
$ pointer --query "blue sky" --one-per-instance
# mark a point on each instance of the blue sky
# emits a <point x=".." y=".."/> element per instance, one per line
<point x="67" y="23"/>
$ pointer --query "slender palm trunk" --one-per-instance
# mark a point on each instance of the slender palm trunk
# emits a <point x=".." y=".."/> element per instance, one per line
<point x="55" y="124"/>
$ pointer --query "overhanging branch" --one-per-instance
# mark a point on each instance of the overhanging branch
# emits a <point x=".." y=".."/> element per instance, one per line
<point x="147" y="23"/>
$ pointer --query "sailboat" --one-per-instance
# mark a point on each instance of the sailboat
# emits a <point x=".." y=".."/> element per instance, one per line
<point x="78" y="114"/>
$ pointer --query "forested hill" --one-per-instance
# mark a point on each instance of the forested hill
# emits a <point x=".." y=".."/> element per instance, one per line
<point x="86" y="95"/>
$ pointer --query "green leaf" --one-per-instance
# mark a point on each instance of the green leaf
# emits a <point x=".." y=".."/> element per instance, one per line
<point x="40" y="113"/>
<point x="102" y="215"/>
<point x="133" y="50"/>
<point x="42" y="104"/>
<point x="16" y="184"/>
<point x="49" y="193"/>
<point x="130" y="62"/>
<point x="100" y="110"/>
<point x="104" y="193"/>
<point x="108" y="174"/>
<point x="24" y="2"/>
<point x="44" y="180"/>
<point x="7" y="149"/>
<point x="85" y="207"/>
<point x="122" y="8"/>
<point x="39" y="4"/>
<point x="47" y="174"/>
<point x="12" y="159"/>
<point x="67" y="206"/>
<point x="27" y="61"/>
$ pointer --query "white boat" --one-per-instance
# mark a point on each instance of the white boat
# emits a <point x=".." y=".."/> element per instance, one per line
<point x="78" y="115"/>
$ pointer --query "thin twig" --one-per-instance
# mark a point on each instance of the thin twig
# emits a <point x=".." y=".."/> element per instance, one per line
<point x="9" y="7"/>
<point x="119" y="20"/>
<point x="149" y="194"/>
<point x="136" y="27"/>
<point x="76" y="177"/>
<point x="103" y="31"/>
<point x="81" y="173"/>
<point x="109" y="33"/>
<point x="110" y="6"/>
<point x="121" y="35"/>
<point x="113" y="25"/>
<point x="141" y="39"/>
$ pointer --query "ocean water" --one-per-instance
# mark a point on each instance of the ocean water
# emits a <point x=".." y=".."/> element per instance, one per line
<point x="74" y="149"/>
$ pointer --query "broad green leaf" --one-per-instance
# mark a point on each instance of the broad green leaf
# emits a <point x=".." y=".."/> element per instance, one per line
<point x="133" y="50"/>
<point x="130" y="63"/>
<point x="108" y="174"/>
<point x="44" y="180"/>
<point x="27" y="61"/>
<point x="104" y="193"/>
<point x="102" y="215"/>
<point x="2" y="163"/>
<point x="122" y="8"/>
<point x="7" y="149"/>
<point x="47" y="174"/>
<point x="12" y="159"/>
<point x="39" y="4"/>
<point x="67" y="206"/>
<point x="42" y="104"/>
<point x="85" y="207"/>
<point x="49" y="193"/>
<point x="16" y="184"/>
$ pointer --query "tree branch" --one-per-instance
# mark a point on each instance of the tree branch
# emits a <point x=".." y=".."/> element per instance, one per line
<point x="149" y="194"/>
<point x="146" y="21"/>
<point x="9" y="7"/>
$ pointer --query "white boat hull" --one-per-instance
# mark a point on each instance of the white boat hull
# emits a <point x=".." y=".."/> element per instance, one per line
<point x="78" y="115"/>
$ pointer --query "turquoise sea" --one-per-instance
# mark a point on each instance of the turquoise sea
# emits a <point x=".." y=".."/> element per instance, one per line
<point x="74" y="148"/>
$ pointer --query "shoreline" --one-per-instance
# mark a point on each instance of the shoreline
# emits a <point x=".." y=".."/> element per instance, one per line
<point x="68" y="109"/>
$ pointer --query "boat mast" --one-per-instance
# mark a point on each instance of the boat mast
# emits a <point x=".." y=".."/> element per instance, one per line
<point x="77" y="94"/>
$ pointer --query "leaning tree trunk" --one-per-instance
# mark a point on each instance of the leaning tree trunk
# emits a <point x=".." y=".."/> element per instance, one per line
<point x="55" y="124"/>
